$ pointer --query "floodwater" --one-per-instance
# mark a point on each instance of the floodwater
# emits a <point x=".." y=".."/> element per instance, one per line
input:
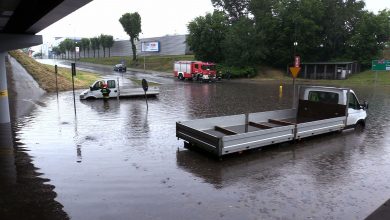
<point x="118" y="160"/>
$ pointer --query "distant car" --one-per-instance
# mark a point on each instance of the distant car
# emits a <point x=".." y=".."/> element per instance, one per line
<point x="120" y="67"/>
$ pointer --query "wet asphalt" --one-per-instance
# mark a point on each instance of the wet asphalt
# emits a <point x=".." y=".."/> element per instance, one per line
<point x="118" y="160"/>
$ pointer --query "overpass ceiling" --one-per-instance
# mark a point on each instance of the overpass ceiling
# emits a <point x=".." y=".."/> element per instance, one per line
<point x="32" y="16"/>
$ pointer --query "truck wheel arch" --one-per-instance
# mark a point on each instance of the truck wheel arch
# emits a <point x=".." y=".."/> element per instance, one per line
<point x="180" y="76"/>
<point x="360" y="125"/>
<point x="90" y="98"/>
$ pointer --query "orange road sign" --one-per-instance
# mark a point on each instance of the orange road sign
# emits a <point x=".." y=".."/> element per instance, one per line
<point x="294" y="71"/>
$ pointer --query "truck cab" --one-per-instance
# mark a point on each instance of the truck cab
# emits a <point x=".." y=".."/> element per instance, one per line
<point x="94" y="91"/>
<point x="355" y="111"/>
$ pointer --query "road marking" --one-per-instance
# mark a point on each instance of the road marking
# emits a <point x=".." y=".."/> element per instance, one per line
<point x="3" y="93"/>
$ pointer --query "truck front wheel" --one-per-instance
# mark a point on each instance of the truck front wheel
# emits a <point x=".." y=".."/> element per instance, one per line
<point x="360" y="125"/>
<point x="180" y="77"/>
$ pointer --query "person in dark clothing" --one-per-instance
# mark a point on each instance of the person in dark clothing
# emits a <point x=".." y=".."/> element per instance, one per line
<point x="105" y="91"/>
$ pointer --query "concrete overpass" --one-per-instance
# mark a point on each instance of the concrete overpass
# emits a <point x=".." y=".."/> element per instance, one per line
<point x="20" y="20"/>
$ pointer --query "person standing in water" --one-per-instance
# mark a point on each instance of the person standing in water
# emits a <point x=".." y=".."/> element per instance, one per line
<point x="105" y="91"/>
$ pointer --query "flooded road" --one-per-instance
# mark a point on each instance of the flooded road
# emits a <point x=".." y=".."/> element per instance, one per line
<point x="118" y="160"/>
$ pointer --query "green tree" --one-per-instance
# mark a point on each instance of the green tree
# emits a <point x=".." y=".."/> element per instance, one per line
<point x="206" y="35"/>
<point x="109" y="43"/>
<point x="94" y="45"/>
<point x="85" y="44"/>
<point x="56" y="51"/>
<point x="265" y="31"/>
<point x="242" y="46"/>
<point x="234" y="8"/>
<point x="369" y="37"/>
<point x="131" y="23"/>
<point x="103" y="42"/>
<point x="98" y="44"/>
<point x="62" y="48"/>
<point x="69" y="46"/>
<point x="38" y="55"/>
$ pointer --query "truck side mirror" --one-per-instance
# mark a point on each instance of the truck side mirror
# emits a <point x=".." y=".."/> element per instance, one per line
<point x="90" y="88"/>
<point x="365" y="105"/>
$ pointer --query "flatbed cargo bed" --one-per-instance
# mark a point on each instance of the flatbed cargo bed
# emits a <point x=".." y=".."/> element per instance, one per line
<point x="228" y="134"/>
<point x="129" y="92"/>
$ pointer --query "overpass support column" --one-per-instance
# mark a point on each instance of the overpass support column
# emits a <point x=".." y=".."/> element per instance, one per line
<point x="4" y="104"/>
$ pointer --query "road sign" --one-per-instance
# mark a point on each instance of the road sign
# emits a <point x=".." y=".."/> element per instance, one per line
<point x="294" y="71"/>
<point x="381" y="65"/>
<point x="145" y="85"/>
<point x="73" y="69"/>
<point x="297" y="61"/>
<point x="77" y="49"/>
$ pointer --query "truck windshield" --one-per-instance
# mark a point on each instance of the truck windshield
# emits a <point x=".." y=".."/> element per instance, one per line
<point x="210" y="67"/>
<point x="325" y="97"/>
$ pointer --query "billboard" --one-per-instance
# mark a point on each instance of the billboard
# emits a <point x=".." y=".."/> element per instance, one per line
<point x="152" y="46"/>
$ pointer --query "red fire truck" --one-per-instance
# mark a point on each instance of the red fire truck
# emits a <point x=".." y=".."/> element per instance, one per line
<point x="197" y="70"/>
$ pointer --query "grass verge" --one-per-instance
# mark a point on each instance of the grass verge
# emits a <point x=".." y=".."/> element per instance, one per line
<point x="367" y="77"/>
<point x="156" y="63"/>
<point x="45" y="74"/>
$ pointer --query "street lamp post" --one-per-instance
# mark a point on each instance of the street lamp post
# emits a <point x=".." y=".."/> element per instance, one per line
<point x="295" y="45"/>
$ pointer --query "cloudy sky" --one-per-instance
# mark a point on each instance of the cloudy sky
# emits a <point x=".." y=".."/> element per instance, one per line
<point x="158" y="17"/>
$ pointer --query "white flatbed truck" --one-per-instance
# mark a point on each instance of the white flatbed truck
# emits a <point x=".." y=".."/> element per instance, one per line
<point x="319" y="110"/>
<point x="117" y="91"/>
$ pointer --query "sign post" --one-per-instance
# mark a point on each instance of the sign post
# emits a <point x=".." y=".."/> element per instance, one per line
<point x="77" y="50"/>
<point x="380" y="65"/>
<point x="74" y="74"/>
<point x="145" y="86"/>
<point x="294" y="72"/>
<point x="56" y="72"/>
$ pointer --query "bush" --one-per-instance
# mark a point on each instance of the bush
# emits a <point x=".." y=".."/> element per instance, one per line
<point x="236" y="72"/>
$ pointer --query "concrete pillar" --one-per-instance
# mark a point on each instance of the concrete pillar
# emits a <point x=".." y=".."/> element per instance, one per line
<point x="4" y="104"/>
<point x="7" y="157"/>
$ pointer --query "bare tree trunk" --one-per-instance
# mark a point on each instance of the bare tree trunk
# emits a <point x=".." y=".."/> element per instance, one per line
<point x="133" y="48"/>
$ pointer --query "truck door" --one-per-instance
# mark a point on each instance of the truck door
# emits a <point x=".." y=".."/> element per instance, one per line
<point x="95" y="89"/>
<point x="355" y="112"/>
<point x="196" y="68"/>
<point x="112" y="86"/>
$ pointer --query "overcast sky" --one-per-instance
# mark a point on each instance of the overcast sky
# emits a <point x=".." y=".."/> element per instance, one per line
<point x="158" y="18"/>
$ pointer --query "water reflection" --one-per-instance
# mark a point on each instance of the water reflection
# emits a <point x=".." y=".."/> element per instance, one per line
<point x="7" y="161"/>
<point x="118" y="159"/>
<point x="325" y="158"/>
<point x="111" y="106"/>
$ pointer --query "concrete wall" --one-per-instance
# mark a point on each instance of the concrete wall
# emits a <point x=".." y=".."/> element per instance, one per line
<point x="169" y="45"/>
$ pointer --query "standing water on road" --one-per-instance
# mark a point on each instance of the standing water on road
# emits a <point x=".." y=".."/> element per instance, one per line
<point x="117" y="160"/>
